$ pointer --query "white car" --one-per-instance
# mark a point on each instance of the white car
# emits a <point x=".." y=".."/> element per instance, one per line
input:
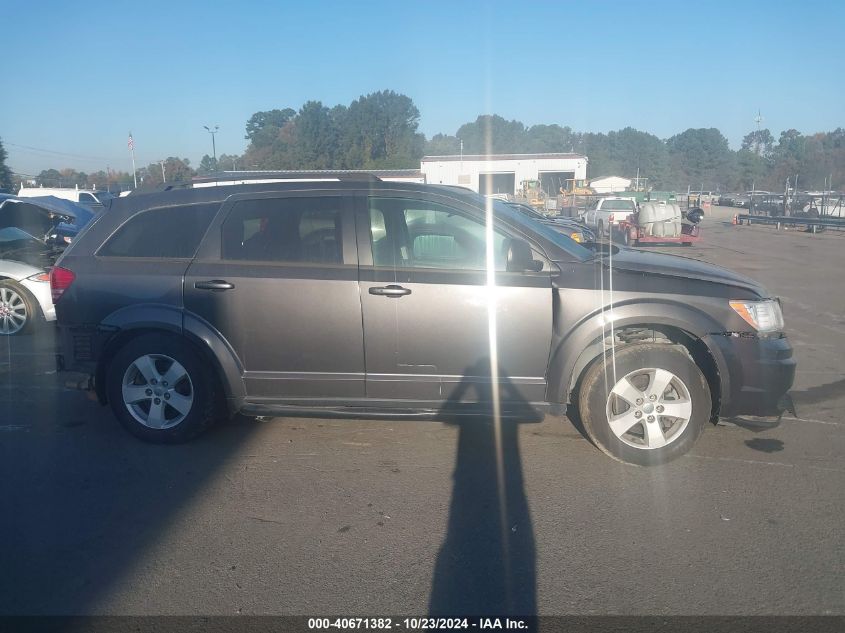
<point x="24" y="284"/>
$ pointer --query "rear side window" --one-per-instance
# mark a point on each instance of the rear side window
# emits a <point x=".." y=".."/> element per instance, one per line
<point x="168" y="233"/>
<point x="291" y="230"/>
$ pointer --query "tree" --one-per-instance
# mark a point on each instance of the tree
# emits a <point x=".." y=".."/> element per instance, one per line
<point x="548" y="139"/>
<point x="700" y="157"/>
<point x="379" y="131"/>
<point x="6" y="181"/>
<point x="490" y="133"/>
<point x="263" y="126"/>
<point x="208" y="165"/>
<point x="759" y="141"/>
<point x="175" y="170"/>
<point x="315" y="137"/>
<point x="442" y="145"/>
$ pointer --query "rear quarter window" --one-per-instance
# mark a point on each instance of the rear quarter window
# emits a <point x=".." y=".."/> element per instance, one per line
<point x="167" y="233"/>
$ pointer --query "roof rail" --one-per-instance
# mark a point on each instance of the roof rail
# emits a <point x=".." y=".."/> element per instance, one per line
<point x="315" y="174"/>
<point x="245" y="177"/>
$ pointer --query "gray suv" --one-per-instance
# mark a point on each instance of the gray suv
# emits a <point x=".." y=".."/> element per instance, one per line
<point x="351" y="296"/>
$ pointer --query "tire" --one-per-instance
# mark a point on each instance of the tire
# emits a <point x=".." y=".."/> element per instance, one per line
<point x="680" y="386"/>
<point x="18" y="311"/>
<point x="136" y="375"/>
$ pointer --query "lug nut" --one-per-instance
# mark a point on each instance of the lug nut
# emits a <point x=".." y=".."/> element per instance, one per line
<point x="154" y="381"/>
<point x="652" y="397"/>
<point x="660" y="408"/>
<point x="149" y="392"/>
<point x="167" y="396"/>
<point x="639" y="400"/>
<point x="157" y="400"/>
<point x="650" y="418"/>
<point x="163" y="383"/>
<point x="638" y="414"/>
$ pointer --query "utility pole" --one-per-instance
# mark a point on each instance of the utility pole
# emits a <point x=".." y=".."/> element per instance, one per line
<point x="757" y="120"/>
<point x="131" y="145"/>
<point x="213" y="144"/>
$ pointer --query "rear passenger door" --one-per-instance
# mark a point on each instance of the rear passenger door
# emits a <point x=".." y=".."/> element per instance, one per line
<point x="277" y="276"/>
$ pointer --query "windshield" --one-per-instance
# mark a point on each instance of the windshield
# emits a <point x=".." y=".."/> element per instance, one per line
<point x="564" y="242"/>
<point x="14" y="234"/>
<point x="618" y="205"/>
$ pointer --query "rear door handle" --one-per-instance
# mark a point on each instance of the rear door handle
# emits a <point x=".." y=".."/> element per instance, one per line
<point x="214" y="284"/>
<point x="390" y="291"/>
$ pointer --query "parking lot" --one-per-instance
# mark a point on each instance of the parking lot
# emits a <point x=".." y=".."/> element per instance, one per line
<point x="320" y="516"/>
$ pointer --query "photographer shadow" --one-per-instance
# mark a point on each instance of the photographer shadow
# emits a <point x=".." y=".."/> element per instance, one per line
<point x="487" y="562"/>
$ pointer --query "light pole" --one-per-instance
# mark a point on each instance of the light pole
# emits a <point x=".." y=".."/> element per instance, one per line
<point x="213" y="144"/>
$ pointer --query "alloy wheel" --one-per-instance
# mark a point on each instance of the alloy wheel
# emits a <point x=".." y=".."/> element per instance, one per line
<point x="157" y="391"/>
<point x="649" y="408"/>
<point x="13" y="312"/>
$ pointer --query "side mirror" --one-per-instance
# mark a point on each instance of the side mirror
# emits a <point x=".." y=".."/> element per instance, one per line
<point x="520" y="258"/>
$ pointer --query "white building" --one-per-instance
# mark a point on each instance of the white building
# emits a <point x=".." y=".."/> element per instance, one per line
<point x="504" y="173"/>
<point x="610" y="184"/>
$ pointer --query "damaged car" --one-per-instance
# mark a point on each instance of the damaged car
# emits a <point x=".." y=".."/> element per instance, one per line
<point x="33" y="233"/>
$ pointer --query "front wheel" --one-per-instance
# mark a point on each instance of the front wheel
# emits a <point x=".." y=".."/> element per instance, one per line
<point x="646" y="408"/>
<point x="161" y="390"/>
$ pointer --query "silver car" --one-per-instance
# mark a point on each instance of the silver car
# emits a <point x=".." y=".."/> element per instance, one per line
<point x="24" y="284"/>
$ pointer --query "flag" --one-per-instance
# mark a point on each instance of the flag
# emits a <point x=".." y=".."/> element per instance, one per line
<point x="130" y="144"/>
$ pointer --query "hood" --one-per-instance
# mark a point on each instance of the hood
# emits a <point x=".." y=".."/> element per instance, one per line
<point x="40" y="215"/>
<point x="636" y="261"/>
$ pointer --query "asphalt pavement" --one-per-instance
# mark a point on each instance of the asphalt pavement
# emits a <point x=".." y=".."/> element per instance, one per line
<point x="319" y="516"/>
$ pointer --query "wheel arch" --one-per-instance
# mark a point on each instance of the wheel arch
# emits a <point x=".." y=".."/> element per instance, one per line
<point x="673" y="324"/>
<point x="134" y="321"/>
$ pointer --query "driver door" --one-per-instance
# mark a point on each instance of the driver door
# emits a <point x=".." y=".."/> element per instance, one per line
<point x="431" y="323"/>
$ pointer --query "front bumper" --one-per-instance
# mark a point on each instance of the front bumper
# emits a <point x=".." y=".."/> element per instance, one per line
<point x="761" y="371"/>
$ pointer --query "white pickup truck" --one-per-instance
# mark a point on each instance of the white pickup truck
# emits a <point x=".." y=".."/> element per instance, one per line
<point x="607" y="211"/>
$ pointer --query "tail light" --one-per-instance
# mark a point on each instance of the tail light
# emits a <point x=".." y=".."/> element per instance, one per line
<point x="60" y="280"/>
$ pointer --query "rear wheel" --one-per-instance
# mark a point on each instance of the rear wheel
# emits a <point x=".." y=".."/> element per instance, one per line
<point x="17" y="309"/>
<point x="160" y="389"/>
<point x="650" y="410"/>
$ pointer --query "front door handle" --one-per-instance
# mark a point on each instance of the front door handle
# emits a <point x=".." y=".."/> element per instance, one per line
<point x="214" y="284"/>
<point x="390" y="291"/>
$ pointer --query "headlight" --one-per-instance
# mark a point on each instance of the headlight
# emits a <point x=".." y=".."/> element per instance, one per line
<point x="763" y="316"/>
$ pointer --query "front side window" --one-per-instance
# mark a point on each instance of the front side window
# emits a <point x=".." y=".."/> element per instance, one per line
<point x="420" y="234"/>
<point x="291" y="230"/>
<point x="168" y="233"/>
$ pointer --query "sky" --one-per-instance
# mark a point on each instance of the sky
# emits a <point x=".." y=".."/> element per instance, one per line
<point x="80" y="77"/>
